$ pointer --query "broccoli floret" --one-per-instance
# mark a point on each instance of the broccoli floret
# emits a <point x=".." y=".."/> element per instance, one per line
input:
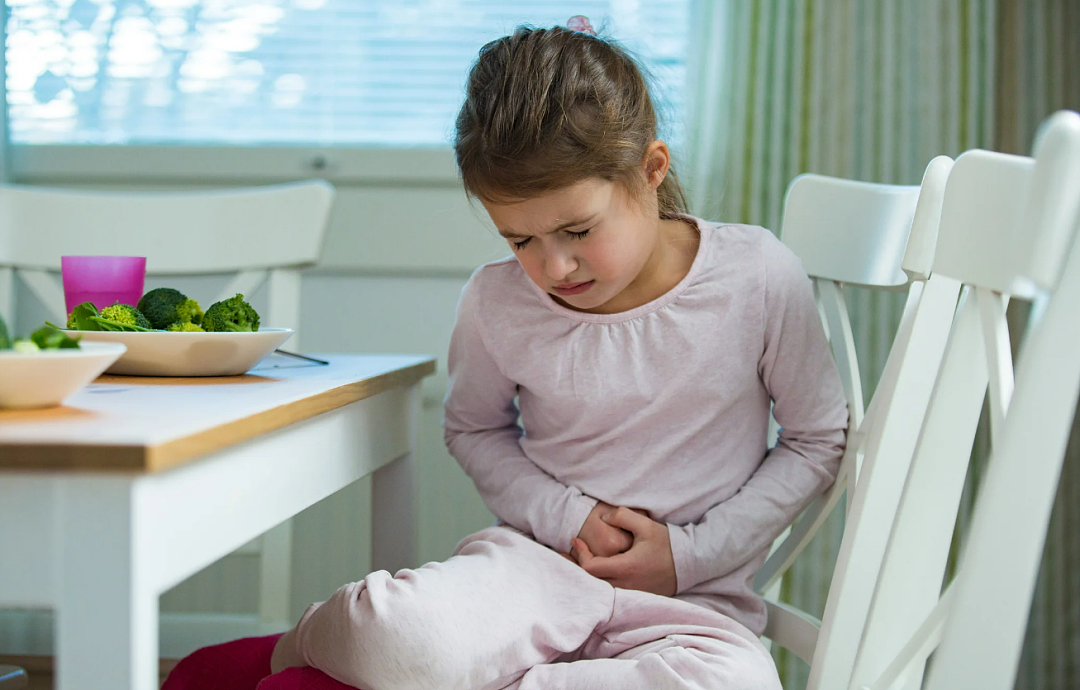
<point x="118" y="317"/>
<point x="122" y="317"/>
<point x="181" y="327"/>
<point x="166" y="306"/>
<point x="233" y="314"/>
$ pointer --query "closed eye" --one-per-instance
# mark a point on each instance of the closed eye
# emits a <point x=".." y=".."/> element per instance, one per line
<point x="579" y="235"/>
<point x="520" y="244"/>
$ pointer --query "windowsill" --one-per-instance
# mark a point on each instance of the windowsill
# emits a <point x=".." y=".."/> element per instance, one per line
<point x="422" y="167"/>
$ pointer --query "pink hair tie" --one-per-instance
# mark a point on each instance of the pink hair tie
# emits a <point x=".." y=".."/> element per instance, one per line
<point x="580" y="23"/>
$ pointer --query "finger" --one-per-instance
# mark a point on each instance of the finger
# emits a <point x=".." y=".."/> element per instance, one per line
<point x="629" y="520"/>
<point x="580" y="552"/>
<point x="611" y="568"/>
<point x="614" y="540"/>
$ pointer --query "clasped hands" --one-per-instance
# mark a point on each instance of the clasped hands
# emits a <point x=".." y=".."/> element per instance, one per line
<point x="627" y="549"/>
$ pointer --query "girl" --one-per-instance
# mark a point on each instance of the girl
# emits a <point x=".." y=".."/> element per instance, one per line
<point x="637" y="499"/>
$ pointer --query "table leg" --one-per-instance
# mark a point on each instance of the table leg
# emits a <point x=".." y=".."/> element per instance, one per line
<point x="393" y="508"/>
<point x="107" y="617"/>
<point x="393" y="504"/>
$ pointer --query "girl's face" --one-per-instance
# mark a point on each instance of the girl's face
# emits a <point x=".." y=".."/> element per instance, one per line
<point x="587" y="245"/>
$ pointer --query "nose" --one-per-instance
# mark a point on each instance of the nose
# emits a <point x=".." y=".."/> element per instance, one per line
<point x="559" y="264"/>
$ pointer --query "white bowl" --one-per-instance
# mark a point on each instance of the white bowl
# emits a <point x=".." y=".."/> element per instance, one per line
<point x="48" y="377"/>
<point x="163" y="353"/>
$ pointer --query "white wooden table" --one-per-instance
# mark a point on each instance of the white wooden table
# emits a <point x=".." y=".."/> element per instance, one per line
<point x="137" y="483"/>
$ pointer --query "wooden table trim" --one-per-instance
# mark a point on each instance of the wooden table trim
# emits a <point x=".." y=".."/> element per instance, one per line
<point x="138" y="458"/>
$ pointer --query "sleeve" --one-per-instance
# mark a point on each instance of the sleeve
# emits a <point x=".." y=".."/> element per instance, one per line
<point x="482" y="433"/>
<point x="797" y="369"/>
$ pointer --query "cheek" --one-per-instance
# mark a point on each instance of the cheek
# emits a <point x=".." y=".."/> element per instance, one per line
<point x="533" y="266"/>
<point x="611" y="260"/>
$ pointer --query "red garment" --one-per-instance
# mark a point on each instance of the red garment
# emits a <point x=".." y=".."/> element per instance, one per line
<point x="244" y="665"/>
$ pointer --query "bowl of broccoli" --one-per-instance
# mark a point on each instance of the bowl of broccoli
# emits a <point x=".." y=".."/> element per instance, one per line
<point x="49" y="366"/>
<point x="169" y="334"/>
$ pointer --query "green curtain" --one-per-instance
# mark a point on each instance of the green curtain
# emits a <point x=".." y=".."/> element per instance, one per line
<point x="860" y="89"/>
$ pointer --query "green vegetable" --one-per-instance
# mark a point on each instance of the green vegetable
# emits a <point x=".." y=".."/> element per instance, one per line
<point x="118" y="317"/>
<point x="5" y="339"/>
<point x="233" y="314"/>
<point x="48" y="337"/>
<point x="82" y="317"/>
<point x="166" y="306"/>
<point x="181" y="327"/>
<point x="125" y="315"/>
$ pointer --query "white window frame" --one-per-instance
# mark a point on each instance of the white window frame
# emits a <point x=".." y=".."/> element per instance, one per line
<point x="375" y="166"/>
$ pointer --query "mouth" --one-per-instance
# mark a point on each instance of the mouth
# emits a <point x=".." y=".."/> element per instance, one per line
<point x="573" y="288"/>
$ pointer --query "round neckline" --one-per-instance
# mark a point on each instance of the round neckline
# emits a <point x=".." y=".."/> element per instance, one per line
<point x="649" y="307"/>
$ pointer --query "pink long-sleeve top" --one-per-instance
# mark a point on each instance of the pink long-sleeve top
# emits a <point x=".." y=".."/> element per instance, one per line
<point x="664" y="407"/>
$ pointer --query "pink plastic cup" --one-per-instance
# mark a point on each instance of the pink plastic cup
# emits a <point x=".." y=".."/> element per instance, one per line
<point x="103" y="280"/>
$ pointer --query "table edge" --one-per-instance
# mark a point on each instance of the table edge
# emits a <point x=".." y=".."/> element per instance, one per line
<point x="152" y="458"/>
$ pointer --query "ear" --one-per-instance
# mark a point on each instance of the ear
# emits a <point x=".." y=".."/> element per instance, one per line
<point x="655" y="163"/>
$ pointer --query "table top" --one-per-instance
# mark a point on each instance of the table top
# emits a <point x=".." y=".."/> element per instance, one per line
<point x="145" y="425"/>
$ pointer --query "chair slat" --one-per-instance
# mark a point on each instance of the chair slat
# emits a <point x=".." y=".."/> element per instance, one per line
<point x="884" y="390"/>
<point x="842" y="341"/>
<point x="789" y="623"/>
<point x="992" y="307"/>
<point x="180" y="233"/>
<point x="912" y="657"/>
<point x="801" y="533"/>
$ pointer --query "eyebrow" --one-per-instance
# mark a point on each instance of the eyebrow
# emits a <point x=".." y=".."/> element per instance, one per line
<point x="562" y="226"/>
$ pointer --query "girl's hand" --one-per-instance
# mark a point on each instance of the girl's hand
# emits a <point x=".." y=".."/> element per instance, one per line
<point x="602" y="538"/>
<point x="647" y="566"/>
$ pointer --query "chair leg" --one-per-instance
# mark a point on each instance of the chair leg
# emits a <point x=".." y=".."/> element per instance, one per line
<point x="275" y="576"/>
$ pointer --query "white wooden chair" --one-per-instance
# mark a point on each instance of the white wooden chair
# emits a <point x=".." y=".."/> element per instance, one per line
<point x="857" y="233"/>
<point x="262" y="234"/>
<point x="1007" y="228"/>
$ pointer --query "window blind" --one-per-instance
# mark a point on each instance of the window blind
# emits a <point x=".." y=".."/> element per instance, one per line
<point x="286" y="72"/>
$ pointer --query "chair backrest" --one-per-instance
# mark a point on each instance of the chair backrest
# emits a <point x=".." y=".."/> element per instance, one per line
<point x="847" y="231"/>
<point x="893" y="414"/>
<point x="261" y="233"/>
<point x="1007" y="227"/>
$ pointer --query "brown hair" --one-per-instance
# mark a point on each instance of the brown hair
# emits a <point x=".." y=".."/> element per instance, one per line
<point x="546" y="108"/>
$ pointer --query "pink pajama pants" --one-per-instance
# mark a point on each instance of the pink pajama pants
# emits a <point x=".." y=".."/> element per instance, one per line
<point x="504" y="613"/>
